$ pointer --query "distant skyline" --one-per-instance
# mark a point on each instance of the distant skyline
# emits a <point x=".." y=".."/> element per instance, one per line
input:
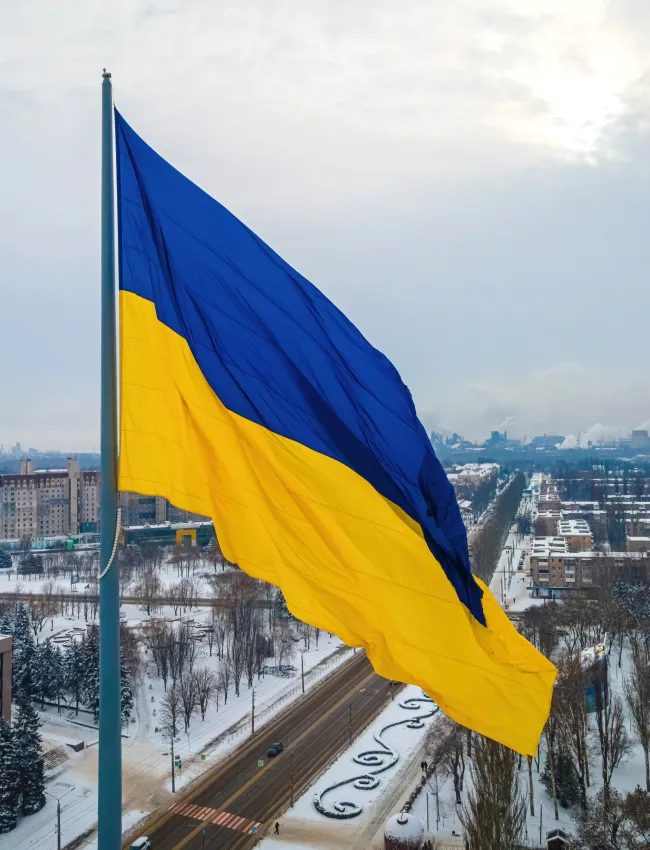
<point x="469" y="182"/>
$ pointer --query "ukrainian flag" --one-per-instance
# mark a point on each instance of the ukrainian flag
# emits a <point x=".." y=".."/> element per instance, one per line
<point x="247" y="396"/>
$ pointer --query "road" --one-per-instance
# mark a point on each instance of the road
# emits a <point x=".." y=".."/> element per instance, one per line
<point x="221" y="810"/>
<point x="90" y="598"/>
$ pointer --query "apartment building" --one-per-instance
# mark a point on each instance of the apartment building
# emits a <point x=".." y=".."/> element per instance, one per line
<point x="546" y="523"/>
<point x="637" y="544"/>
<point x="556" y="567"/>
<point x="61" y="502"/>
<point x="48" y="502"/>
<point x="577" y="534"/>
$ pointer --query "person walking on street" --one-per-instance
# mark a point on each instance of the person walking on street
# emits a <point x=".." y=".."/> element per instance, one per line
<point x="277" y="828"/>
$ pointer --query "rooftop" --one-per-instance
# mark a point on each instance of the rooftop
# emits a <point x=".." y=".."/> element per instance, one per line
<point x="572" y="527"/>
<point x="545" y="546"/>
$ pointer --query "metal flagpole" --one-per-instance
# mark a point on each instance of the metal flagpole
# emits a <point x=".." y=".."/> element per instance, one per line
<point x="110" y="753"/>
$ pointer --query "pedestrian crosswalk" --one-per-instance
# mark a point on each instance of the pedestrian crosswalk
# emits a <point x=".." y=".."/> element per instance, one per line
<point x="225" y="819"/>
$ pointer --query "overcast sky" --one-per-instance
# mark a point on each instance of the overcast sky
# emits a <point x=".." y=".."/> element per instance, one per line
<point x="468" y="180"/>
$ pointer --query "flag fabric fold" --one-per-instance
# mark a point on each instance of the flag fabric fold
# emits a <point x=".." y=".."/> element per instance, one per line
<point x="247" y="396"/>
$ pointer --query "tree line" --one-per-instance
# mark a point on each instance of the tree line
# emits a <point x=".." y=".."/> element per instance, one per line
<point x="590" y="732"/>
<point x="69" y="678"/>
<point x="487" y="540"/>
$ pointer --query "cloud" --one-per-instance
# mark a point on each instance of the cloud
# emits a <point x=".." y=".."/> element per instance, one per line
<point x="594" y="435"/>
<point x="468" y="181"/>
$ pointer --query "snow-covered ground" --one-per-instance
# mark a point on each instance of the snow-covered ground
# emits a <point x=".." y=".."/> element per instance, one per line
<point x="201" y="571"/>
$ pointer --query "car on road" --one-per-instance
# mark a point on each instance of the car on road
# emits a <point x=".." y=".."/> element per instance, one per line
<point x="275" y="749"/>
<point x="141" y="843"/>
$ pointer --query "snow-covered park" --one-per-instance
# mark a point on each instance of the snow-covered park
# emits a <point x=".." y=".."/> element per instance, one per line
<point x="193" y="670"/>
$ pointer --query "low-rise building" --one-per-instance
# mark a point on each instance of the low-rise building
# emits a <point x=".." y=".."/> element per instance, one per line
<point x="546" y="523"/>
<point x="638" y="544"/>
<point x="564" y="569"/>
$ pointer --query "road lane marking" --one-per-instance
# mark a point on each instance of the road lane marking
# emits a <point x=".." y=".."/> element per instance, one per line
<point x="216" y="816"/>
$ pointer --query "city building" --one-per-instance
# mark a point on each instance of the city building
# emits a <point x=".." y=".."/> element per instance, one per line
<point x="577" y="534"/>
<point x="640" y="440"/>
<point x="5" y="678"/>
<point x="140" y="510"/>
<point x="554" y="568"/>
<point x="547" y="441"/>
<point x="48" y="502"/>
<point x="638" y="544"/>
<point x="546" y="523"/>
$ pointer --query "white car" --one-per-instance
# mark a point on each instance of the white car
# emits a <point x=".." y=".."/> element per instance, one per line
<point x="142" y="843"/>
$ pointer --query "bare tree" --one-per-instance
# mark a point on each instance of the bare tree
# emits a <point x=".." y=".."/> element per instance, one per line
<point x="148" y="591"/>
<point x="207" y="688"/>
<point x="225" y="675"/>
<point x="189" y="696"/>
<point x="614" y="742"/>
<point x="637" y="695"/>
<point x="157" y="638"/>
<point x="40" y="611"/>
<point x="446" y="752"/>
<point x="494" y="812"/>
<point x="171" y="710"/>
<point x="569" y="698"/>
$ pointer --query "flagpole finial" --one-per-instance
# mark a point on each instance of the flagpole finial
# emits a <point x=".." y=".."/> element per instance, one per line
<point x="106" y="73"/>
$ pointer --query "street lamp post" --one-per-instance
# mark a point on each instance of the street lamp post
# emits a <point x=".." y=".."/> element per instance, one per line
<point x="58" y="815"/>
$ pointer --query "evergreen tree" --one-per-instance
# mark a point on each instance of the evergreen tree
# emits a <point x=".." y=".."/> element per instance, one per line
<point x="90" y="664"/>
<point x="22" y="630"/>
<point x="567" y="784"/>
<point x="24" y="656"/>
<point x="29" y="758"/>
<point x="6" y="624"/>
<point x="74" y="673"/>
<point x="5" y="560"/>
<point x="281" y="610"/>
<point x="9" y="779"/>
<point x="48" y="673"/>
<point x="126" y="692"/>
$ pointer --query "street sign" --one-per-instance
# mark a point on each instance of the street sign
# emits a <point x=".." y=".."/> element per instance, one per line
<point x="253" y="829"/>
<point x="202" y="756"/>
<point x="260" y="763"/>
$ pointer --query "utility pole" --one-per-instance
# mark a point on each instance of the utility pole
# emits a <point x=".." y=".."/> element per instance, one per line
<point x="302" y="670"/>
<point x="427" y="811"/>
<point x="541" y="814"/>
<point x="253" y="714"/>
<point x="173" y="778"/>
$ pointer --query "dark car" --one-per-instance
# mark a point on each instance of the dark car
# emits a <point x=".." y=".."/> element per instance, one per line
<point x="275" y="749"/>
